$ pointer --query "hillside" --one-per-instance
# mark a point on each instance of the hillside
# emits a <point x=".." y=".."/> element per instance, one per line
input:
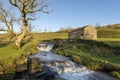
<point x="109" y="31"/>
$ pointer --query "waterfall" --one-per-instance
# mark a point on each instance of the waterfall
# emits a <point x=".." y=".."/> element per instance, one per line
<point x="62" y="67"/>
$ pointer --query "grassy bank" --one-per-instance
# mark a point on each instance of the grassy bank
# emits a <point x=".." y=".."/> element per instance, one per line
<point x="94" y="55"/>
<point x="10" y="57"/>
<point x="108" y="33"/>
<point x="7" y="48"/>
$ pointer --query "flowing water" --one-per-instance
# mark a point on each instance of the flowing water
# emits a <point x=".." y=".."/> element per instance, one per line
<point x="63" y="67"/>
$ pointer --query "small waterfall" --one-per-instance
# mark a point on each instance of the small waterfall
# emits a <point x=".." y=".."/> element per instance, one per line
<point x="62" y="67"/>
<point x="45" y="46"/>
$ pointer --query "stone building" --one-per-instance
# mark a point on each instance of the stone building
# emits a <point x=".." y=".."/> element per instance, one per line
<point x="87" y="32"/>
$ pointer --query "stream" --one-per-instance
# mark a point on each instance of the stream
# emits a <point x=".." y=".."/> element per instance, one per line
<point x="63" y="67"/>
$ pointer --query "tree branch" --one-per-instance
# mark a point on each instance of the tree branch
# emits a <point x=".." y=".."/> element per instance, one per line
<point x="15" y="4"/>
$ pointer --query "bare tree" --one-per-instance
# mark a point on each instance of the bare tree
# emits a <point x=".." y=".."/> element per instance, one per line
<point x="26" y="8"/>
<point x="7" y="18"/>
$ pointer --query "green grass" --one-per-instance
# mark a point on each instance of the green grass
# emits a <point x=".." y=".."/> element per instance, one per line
<point x="48" y="36"/>
<point x="108" y="33"/>
<point x="93" y="51"/>
<point x="6" y="50"/>
<point x="115" y="42"/>
<point x="109" y="39"/>
<point x="115" y="74"/>
<point x="113" y="59"/>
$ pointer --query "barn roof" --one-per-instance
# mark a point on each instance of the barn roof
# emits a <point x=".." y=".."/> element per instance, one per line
<point x="81" y="28"/>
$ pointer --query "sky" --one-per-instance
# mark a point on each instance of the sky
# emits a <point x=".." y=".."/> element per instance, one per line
<point x="77" y="13"/>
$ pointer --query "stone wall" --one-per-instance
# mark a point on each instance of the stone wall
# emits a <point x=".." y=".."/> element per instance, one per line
<point x="90" y="33"/>
<point x="76" y="33"/>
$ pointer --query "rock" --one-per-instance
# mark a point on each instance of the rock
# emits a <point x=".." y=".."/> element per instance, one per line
<point x="1" y="70"/>
<point x="21" y="67"/>
<point x="46" y="75"/>
<point x="34" y="65"/>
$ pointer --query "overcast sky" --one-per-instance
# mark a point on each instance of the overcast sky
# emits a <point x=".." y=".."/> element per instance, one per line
<point x="78" y="13"/>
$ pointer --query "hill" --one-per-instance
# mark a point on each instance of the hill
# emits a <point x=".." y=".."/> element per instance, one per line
<point x="109" y="31"/>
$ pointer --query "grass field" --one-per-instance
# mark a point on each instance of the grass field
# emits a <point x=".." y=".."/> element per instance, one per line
<point x="108" y="32"/>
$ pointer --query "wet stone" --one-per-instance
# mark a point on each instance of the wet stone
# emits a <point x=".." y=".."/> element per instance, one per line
<point x="34" y="65"/>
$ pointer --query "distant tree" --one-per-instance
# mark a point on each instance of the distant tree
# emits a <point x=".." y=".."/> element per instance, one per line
<point x="30" y="27"/>
<point x="27" y="8"/>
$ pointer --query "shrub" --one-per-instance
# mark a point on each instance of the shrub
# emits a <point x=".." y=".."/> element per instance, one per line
<point x="76" y="59"/>
<point x="101" y="51"/>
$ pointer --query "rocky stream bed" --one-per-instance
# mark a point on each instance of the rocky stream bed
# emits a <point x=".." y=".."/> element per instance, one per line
<point x="46" y="65"/>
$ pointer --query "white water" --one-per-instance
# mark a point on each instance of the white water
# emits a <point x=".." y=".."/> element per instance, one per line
<point x="45" y="46"/>
<point x="65" y="68"/>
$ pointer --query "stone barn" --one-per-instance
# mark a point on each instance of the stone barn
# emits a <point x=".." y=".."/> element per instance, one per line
<point x="87" y="32"/>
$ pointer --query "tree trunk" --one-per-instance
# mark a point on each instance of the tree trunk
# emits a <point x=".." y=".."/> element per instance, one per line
<point x="18" y="42"/>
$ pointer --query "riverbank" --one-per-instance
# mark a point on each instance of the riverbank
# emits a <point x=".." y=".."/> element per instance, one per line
<point x="80" y="52"/>
<point x="94" y="55"/>
<point x="56" y="66"/>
